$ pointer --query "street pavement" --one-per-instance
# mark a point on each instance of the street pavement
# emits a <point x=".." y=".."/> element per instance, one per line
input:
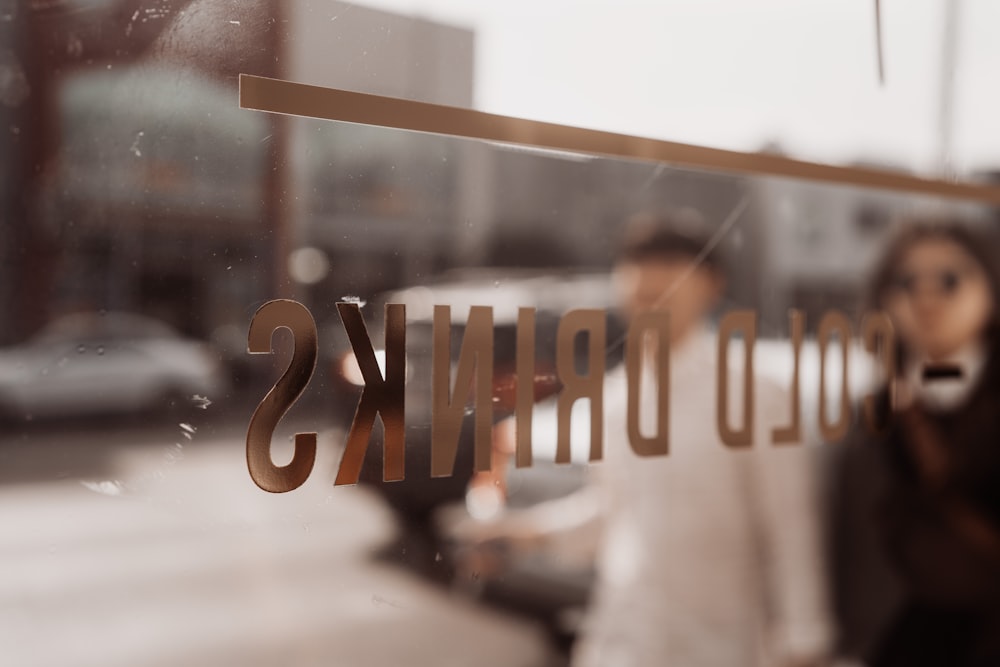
<point x="148" y="545"/>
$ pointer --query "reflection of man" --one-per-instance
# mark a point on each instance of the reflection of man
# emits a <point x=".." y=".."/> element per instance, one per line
<point x="706" y="556"/>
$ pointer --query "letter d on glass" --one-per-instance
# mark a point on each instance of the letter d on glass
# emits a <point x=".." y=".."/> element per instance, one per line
<point x="648" y="327"/>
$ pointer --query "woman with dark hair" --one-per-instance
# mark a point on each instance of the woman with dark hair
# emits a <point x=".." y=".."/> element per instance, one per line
<point x="938" y="508"/>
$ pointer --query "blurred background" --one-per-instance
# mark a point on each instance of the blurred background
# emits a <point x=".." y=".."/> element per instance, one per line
<point x="144" y="217"/>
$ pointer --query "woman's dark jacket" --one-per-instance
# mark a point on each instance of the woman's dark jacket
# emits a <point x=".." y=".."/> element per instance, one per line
<point x="911" y="586"/>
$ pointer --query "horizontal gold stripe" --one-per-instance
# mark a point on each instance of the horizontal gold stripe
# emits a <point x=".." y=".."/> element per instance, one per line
<point x="297" y="99"/>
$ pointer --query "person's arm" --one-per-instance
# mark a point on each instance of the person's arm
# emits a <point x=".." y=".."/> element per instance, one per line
<point x="570" y="525"/>
<point x="784" y="480"/>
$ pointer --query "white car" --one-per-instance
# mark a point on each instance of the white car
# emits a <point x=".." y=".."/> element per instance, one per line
<point x="104" y="363"/>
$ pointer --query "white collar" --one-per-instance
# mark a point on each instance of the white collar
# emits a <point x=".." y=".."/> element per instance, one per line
<point x="945" y="394"/>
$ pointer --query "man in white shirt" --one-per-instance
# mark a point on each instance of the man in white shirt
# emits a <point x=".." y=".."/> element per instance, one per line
<point x="707" y="556"/>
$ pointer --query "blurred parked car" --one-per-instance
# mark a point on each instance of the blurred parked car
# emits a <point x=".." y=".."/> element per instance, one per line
<point x="104" y="363"/>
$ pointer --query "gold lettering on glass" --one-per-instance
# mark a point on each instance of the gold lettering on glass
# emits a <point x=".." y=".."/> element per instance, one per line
<point x="295" y="317"/>
<point x="834" y="322"/>
<point x="878" y="337"/>
<point x="793" y="432"/>
<point x="580" y="369"/>
<point x="381" y="396"/>
<point x="649" y="335"/>
<point x="448" y="411"/>
<point x="576" y="385"/>
<point x="744" y="321"/>
<point x="524" y="385"/>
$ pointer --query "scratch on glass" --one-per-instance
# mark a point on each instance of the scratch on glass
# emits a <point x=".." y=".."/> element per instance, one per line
<point x="361" y="303"/>
<point x="135" y="144"/>
<point x="878" y="43"/>
<point x="131" y="22"/>
<point x="378" y="600"/>
<point x="105" y="487"/>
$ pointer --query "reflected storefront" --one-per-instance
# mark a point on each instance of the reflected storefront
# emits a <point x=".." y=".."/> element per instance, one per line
<point x="317" y="350"/>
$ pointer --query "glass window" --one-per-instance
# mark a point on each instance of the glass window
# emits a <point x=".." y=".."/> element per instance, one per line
<point x="544" y="389"/>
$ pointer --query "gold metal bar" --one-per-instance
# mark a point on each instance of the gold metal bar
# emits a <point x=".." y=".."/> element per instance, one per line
<point x="297" y="99"/>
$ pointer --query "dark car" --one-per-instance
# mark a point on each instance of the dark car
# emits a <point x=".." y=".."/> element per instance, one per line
<point x="105" y="363"/>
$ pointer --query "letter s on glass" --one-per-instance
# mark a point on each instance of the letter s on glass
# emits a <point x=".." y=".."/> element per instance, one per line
<point x="294" y="316"/>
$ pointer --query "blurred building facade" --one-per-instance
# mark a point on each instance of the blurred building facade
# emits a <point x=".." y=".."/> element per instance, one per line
<point x="136" y="183"/>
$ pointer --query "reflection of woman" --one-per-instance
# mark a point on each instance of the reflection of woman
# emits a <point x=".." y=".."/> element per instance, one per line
<point x="940" y="508"/>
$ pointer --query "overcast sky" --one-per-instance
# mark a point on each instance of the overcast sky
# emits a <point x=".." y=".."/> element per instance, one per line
<point x="739" y="73"/>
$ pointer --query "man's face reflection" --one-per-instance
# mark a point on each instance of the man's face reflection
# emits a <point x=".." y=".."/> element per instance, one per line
<point x="687" y="291"/>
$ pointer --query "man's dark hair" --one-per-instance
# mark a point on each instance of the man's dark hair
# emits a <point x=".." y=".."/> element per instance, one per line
<point x="681" y="234"/>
